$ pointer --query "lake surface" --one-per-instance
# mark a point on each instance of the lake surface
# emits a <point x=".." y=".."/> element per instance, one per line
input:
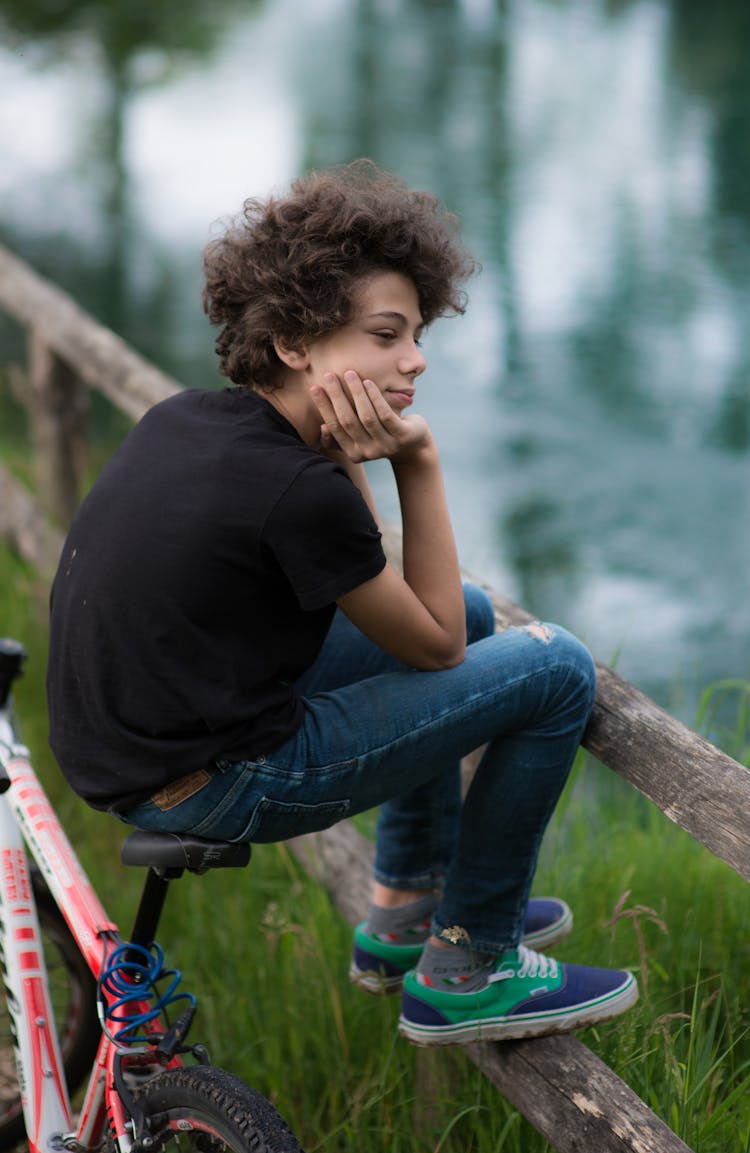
<point x="593" y="406"/>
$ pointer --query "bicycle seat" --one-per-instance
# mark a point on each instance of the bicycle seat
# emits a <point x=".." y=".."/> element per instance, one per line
<point x="182" y="851"/>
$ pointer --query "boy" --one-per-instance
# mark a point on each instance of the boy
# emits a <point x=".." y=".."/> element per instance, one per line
<point x="233" y="656"/>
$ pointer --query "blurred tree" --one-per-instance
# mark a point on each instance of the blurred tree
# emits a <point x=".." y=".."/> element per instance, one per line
<point x="122" y="28"/>
<point x="140" y="43"/>
<point x="709" y="48"/>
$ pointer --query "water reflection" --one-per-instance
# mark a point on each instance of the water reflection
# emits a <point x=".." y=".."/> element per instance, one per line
<point x="593" y="404"/>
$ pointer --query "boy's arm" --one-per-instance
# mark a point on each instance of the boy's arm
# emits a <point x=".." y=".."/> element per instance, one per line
<point x="418" y="618"/>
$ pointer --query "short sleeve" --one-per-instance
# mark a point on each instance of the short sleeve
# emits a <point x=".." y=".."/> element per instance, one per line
<point x="323" y="535"/>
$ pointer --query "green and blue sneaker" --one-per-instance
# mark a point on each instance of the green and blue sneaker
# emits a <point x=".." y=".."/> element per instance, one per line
<point x="378" y="964"/>
<point x="527" y="995"/>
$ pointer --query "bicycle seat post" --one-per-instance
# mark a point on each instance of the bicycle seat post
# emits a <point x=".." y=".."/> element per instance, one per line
<point x="151" y="904"/>
<point x="167" y="856"/>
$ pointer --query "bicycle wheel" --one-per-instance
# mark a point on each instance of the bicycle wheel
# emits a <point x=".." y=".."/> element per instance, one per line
<point x="73" y="994"/>
<point x="202" y="1108"/>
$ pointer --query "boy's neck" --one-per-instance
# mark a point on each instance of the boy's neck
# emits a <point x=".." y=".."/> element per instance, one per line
<point x="294" y="404"/>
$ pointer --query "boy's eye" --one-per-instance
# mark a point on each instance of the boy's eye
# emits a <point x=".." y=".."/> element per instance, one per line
<point x="389" y="335"/>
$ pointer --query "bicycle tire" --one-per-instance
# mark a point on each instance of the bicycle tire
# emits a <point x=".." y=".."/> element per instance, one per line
<point x="73" y="993"/>
<point x="207" y="1110"/>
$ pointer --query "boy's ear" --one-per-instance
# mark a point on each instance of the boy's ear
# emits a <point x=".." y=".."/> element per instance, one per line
<point x="296" y="358"/>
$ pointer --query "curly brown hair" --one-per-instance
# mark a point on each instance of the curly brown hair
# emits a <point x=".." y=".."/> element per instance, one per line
<point x="289" y="268"/>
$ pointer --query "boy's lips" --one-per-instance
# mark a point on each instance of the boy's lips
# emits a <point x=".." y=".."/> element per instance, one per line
<point x="405" y="395"/>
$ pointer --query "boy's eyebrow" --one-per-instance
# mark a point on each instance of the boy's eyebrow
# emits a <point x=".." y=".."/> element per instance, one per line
<point x="393" y="315"/>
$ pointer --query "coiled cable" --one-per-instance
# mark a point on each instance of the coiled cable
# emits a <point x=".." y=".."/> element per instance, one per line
<point x="129" y="997"/>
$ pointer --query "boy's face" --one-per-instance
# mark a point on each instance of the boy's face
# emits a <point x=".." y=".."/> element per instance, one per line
<point x="381" y="342"/>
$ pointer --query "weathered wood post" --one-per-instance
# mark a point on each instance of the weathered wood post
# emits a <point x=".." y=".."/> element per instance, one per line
<point x="58" y="404"/>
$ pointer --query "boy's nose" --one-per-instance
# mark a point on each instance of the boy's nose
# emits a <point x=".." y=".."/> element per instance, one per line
<point x="414" y="364"/>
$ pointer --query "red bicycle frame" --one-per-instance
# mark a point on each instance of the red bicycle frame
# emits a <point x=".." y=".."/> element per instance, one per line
<point x="27" y="819"/>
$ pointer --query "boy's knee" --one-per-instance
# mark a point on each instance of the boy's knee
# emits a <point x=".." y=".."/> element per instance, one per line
<point x="576" y="658"/>
<point x="567" y="654"/>
<point x="480" y="613"/>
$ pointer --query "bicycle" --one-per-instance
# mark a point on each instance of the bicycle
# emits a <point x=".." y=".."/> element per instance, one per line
<point x="86" y="1007"/>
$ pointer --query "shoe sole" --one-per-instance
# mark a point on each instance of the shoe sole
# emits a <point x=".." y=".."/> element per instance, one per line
<point x="527" y="1025"/>
<point x="378" y="985"/>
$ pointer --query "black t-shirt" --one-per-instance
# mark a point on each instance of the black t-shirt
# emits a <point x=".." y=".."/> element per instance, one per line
<point x="197" y="582"/>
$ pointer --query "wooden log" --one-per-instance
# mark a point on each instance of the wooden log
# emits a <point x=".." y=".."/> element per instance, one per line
<point x="57" y="403"/>
<point x="572" y="1097"/>
<point x="341" y="860"/>
<point x="99" y="357"/>
<point x="26" y="528"/>
<point x="437" y="1074"/>
<point x="563" y="1089"/>
<point x="697" y="786"/>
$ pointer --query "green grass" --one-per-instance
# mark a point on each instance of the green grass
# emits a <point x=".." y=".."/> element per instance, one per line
<point x="724" y="713"/>
<point x="267" y="954"/>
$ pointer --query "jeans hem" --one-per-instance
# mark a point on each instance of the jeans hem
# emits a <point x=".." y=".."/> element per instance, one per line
<point x="492" y="947"/>
<point x="431" y="880"/>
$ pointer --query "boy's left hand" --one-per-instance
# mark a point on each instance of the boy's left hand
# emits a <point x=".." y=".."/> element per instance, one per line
<point x="357" y="420"/>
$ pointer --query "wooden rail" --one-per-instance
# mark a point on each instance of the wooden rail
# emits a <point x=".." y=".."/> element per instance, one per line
<point x="574" y="1099"/>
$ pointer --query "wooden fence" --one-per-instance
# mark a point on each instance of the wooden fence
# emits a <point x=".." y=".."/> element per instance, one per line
<point x="564" y="1090"/>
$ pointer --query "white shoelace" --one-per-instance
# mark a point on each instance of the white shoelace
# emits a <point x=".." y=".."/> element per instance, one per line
<point x="532" y="965"/>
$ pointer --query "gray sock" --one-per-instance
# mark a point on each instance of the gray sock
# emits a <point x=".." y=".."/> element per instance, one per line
<point x="454" y="969"/>
<point x="403" y="924"/>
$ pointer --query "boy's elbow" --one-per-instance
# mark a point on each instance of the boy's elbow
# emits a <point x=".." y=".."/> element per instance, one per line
<point x="455" y="645"/>
<point x="448" y="657"/>
<point x="455" y="658"/>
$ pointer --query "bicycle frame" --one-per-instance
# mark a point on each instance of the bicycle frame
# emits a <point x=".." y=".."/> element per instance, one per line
<point x="27" y="819"/>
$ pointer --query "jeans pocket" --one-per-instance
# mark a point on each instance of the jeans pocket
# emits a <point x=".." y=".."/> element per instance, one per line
<point x="279" y="820"/>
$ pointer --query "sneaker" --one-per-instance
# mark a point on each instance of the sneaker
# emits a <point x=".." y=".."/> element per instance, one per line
<point x="378" y="966"/>
<point x="548" y="921"/>
<point x="527" y="995"/>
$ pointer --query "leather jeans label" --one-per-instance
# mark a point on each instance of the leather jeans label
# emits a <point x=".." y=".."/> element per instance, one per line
<point x="176" y="792"/>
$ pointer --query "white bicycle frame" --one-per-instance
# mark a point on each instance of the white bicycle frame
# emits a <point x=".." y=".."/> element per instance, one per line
<point x="28" y="820"/>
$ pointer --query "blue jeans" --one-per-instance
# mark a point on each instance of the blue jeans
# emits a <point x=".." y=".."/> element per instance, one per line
<point x="379" y="734"/>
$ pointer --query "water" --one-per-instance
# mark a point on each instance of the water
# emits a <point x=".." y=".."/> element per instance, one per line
<point x="593" y="406"/>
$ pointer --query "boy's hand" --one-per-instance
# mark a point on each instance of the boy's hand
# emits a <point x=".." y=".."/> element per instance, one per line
<point x="357" y="419"/>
